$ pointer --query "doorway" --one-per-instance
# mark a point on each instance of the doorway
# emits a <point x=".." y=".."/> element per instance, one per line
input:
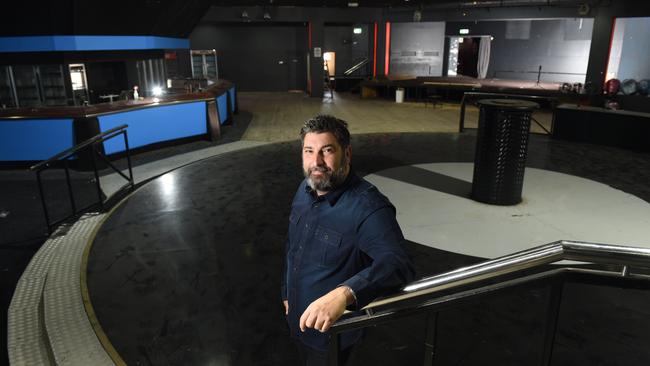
<point x="79" y="84"/>
<point x="468" y="56"/>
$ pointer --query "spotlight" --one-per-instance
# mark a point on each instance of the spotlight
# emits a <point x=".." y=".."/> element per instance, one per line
<point x="157" y="91"/>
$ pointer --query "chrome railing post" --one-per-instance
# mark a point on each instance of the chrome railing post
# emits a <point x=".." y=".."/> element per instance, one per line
<point x="128" y="157"/>
<point x="430" y="338"/>
<point x="552" y="317"/>
<point x="70" y="192"/>
<point x="45" y="212"/>
<point x="99" y="187"/>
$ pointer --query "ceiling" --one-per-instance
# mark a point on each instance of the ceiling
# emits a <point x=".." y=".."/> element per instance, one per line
<point x="392" y="3"/>
<point x="168" y="18"/>
<point x="324" y="3"/>
<point x="177" y="18"/>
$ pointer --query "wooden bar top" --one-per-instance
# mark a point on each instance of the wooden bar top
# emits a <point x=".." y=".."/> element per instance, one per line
<point x="213" y="91"/>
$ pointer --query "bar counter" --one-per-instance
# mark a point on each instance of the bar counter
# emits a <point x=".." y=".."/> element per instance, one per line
<point x="32" y="134"/>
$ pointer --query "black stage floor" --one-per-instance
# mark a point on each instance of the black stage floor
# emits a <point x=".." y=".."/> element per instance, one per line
<point x="22" y="224"/>
<point x="187" y="269"/>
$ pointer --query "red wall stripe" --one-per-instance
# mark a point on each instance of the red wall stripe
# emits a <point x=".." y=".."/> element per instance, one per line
<point x="387" y="60"/>
<point x="374" y="56"/>
<point x="309" y="50"/>
<point x="309" y="37"/>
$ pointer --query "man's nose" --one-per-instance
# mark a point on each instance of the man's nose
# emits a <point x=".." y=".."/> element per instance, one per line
<point x="320" y="159"/>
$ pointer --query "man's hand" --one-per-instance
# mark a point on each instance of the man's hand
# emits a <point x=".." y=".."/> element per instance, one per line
<point x="324" y="311"/>
<point x="286" y="306"/>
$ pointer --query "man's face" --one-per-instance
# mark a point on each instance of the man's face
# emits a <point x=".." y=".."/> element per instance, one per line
<point x="324" y="162"/>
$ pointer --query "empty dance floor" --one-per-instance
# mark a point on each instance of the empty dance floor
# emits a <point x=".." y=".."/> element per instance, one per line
<point x="187" y="269"/>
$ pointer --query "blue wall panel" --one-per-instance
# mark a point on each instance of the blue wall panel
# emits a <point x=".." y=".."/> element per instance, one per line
<point x="222" y="105"/>
<point x="155" y="124"/>
<point x="89" y="43"/>
<point x="231" y="91"/>
<point x="34" y="139"/>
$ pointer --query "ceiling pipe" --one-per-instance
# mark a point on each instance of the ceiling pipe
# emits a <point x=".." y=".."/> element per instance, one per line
<point x="507" y="4"/>
<point x="520" y="3"/>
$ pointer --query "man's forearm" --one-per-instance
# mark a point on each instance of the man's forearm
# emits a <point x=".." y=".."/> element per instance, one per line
<point x="350" y="296"/>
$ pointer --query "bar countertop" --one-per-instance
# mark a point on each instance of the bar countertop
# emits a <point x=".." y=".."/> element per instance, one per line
<point x="220" y="87"/>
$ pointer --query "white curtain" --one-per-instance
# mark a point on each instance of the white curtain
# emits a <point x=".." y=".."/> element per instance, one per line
<point x="483" y="57"/>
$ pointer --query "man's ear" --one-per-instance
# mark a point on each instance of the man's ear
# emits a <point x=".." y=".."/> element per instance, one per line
<point x="348" y="153"/>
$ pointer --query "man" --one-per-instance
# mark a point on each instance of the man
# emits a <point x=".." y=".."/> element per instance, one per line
<point x="344" y="246"/>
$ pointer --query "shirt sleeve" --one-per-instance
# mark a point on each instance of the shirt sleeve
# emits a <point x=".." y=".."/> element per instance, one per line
<point x="380" y="237"/>
<point x="283" y="286"/>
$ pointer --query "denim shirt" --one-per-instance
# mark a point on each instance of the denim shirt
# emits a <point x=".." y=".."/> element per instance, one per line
<point x="348" y="236"/>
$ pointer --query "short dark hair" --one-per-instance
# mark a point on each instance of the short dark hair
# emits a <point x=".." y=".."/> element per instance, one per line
<point x="326" y="123"/>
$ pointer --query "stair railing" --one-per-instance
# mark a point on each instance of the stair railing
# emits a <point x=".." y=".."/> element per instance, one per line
<point x="94" y="144"/>
<point x="449" y="288"/>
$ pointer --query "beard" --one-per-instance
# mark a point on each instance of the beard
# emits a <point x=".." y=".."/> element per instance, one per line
<point x="329" y="180"/>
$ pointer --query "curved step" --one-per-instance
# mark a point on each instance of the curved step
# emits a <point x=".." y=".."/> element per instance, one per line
<point x="27" y="341"/>
<point x="71" y="335"/>
<point x="48" y="324"/>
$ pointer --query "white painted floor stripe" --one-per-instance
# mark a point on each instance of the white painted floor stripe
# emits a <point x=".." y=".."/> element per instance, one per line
<point x="556" y="206"/>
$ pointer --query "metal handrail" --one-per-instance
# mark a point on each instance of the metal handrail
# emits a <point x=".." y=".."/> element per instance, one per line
<point x="70" y="151"/>
<point x="397" y="305"/>
<point x="64" y="155"/>
<point x="527" y="259"/>
<point x="467" y="95"/>
<point x="356" y="67"/>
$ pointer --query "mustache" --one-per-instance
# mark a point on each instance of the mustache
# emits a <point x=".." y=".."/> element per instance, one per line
<point x="321" y="169"/>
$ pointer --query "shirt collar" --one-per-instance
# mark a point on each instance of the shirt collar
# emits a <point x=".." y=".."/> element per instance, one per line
<point x="333" y="196"/>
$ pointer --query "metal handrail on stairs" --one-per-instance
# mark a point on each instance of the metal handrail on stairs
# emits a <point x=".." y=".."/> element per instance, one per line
<point x="94" y="144"/>
<point x="356" y="66"/>
<point x="447" y="288"/>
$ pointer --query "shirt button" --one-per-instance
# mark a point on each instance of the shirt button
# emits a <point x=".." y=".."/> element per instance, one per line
<point x="306" y="225"/>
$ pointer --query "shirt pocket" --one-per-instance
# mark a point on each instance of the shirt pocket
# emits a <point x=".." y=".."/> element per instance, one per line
<point x="328" y="243"/>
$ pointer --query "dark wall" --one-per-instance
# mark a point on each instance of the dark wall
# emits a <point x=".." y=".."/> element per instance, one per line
<point x="603" y="14"/>
<point x="349" y="47"/>
<point x="257" y="57"/>
<point x="178" y="64"/>
<point x="106" y="78"/>
<point x="560" y="46"/>
<point x="170" y="18"/>
<point x="316" y="17"/>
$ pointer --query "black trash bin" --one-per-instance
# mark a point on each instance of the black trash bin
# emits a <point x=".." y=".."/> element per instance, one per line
<point x="501" y="148"/>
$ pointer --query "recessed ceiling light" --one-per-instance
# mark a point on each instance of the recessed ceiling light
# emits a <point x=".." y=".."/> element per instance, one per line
<point x="353" y="5"/>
